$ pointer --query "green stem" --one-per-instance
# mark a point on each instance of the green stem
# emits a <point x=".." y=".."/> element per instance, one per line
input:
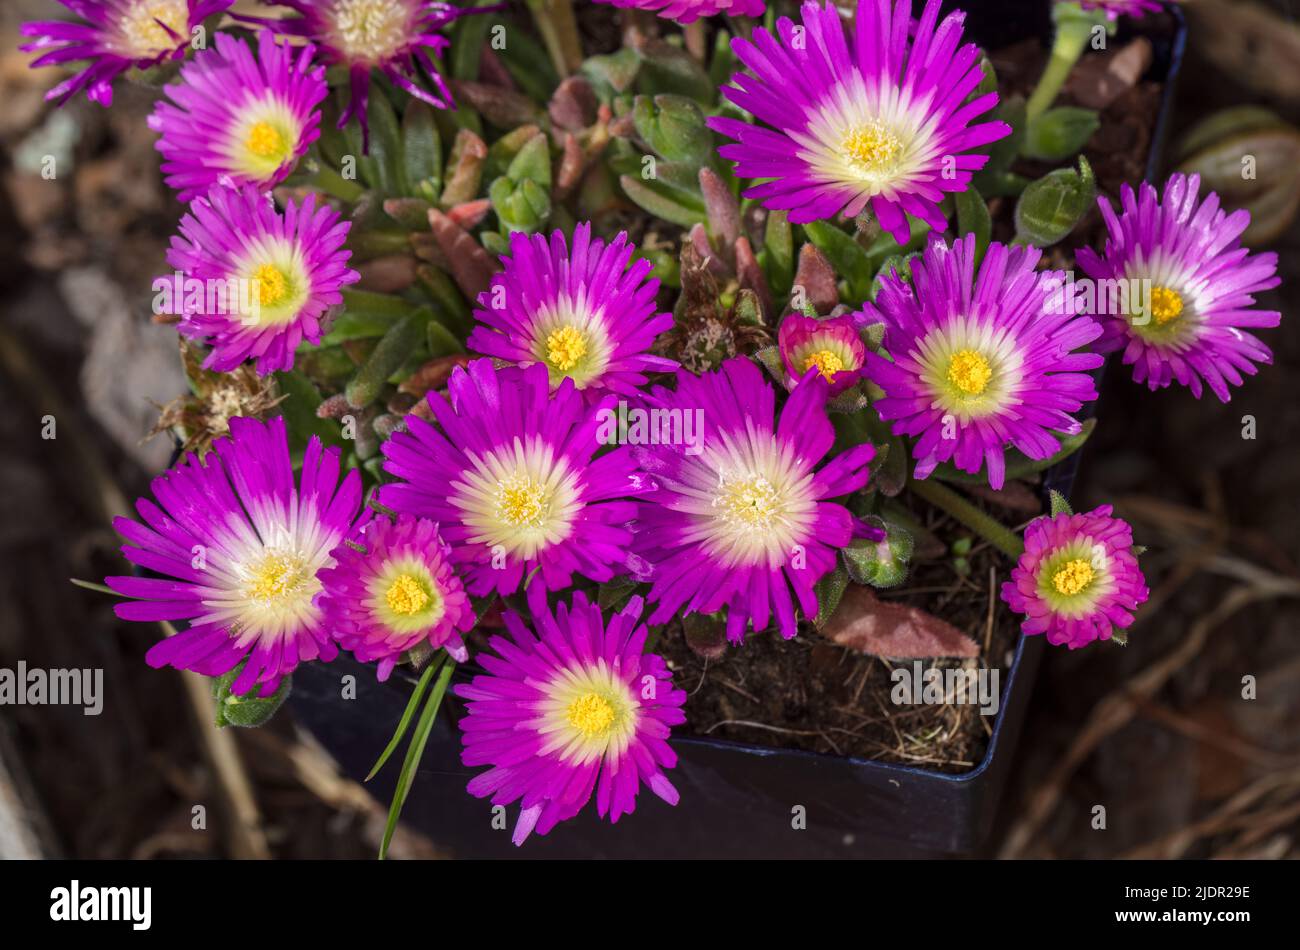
<point x="1073" y="30"/>
<point x="990" y="529"/>
<point x="414" y="752"/>
<point x="335" y="185"/>
<point x="400" y="732"/>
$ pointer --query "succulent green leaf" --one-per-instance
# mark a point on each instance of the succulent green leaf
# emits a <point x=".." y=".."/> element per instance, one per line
<point x="615" y="72"/>
<point x="663" y="201"/>
<point x="250" y="709"/>
<point x="829" y="591"/>
<point x="299" y="411"/>
<point x="778" y="252"/>
<point x="1053" y="206"/>
<point x="1060" y="133"/>
<point x="973" y="218"/>
<point x="422" y="148"/>
<point x="393" y="350"/>
<point x="674" y="127"/>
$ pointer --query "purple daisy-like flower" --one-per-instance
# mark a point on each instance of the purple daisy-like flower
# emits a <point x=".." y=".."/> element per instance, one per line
<point x="394" y="590"/>
<point x="881" y="122"/>
<point x="576" y="709"/>
<point x="239" y="548"/>
<point x="688" y="11"/>
<point x="397" y="37"/>
<point x="980" y="360"/>
<point x="1078" y="578"/>
<point x="737" y="514"/>
<point x="1118" y="8"/>
<point x="116" y="35"/>
<point x="281" y="273"/>
<point x="507" y="471"/>
<point x="1201" y="284"/>
<point x="834" y="346"/>
<point x="585" y="315"/>
<point x="233" y="115"/>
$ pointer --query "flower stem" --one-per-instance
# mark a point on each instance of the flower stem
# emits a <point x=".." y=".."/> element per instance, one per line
<point x="990" y="529"/>
<point x="1073" y="29"/>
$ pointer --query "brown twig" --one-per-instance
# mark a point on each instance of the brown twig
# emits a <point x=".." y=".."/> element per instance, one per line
<point x="1116" y="709"/>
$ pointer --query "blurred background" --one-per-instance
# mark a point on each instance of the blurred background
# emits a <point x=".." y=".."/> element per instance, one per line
<point x="1158" y="732"/>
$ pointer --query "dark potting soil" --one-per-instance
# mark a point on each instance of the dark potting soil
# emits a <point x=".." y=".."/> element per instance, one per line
<point x="810" y="693"/>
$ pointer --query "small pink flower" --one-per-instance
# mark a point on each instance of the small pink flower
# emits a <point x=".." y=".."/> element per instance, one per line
<point x="1078" y="578"/>
<point x="833" y="346"/>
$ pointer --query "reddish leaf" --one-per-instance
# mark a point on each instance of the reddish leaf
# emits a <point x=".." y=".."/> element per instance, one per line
<point x="897" y="631"/>
<point x="816" y="276"/>
<point x="471" y="266"/>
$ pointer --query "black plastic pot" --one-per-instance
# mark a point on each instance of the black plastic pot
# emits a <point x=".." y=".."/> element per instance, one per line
<point x="736" y="800"/>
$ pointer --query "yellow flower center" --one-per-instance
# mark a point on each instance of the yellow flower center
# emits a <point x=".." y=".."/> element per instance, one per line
<point x="406" y="596"/>
<point x="265" y="141"/>
<point x="1166" y="305"/>
<point x="872" y="148"/>
<point x="592" y="715"/>
<point x="564" y="348"/>
<point x="749" y="503"/>
<point x="1072" y="577"/>
<point x="278" y="577"/>
<point x="521" y="502"/>
<point x="271" y="285"/>
<point x="144" y="27"/>
<point x="826" y="362"/>
<point x="371" y="30"/>
<point x="970" y="372"/>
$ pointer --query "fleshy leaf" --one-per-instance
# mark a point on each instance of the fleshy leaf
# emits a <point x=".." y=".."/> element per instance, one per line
<point x="250" y="709"/>
<point x="894" y="631"/>
<point x="1053" y="206"/>
<point x="1059" y="133"/>
<point x="830" y="591"/>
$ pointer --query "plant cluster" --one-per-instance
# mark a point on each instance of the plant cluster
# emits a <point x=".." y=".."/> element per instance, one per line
<point x="486" y="333"/>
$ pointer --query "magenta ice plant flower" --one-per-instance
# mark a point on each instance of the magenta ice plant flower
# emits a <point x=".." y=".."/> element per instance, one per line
<point x="393" y="589"/>
<point x="574" y="709"/>
<point x="1078" y="578"/>
<point x="980" y="359"/>
<point x="510" y="472"/>
<point x="741" y="515"/>
<point x="237" y="116"/>
<point x="279" y="274"/>
<point x="586" y="314"/>
<point x="833" y="345"/>
<point x="878" y="120"/>
<point x="688" y="11"/>
<point x="400" y="38"/>
<point x="1201" y="284"/>
<point x="113" y="36"/>
<point x="239" y="547"/>
<point x="1118" y="8"/>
